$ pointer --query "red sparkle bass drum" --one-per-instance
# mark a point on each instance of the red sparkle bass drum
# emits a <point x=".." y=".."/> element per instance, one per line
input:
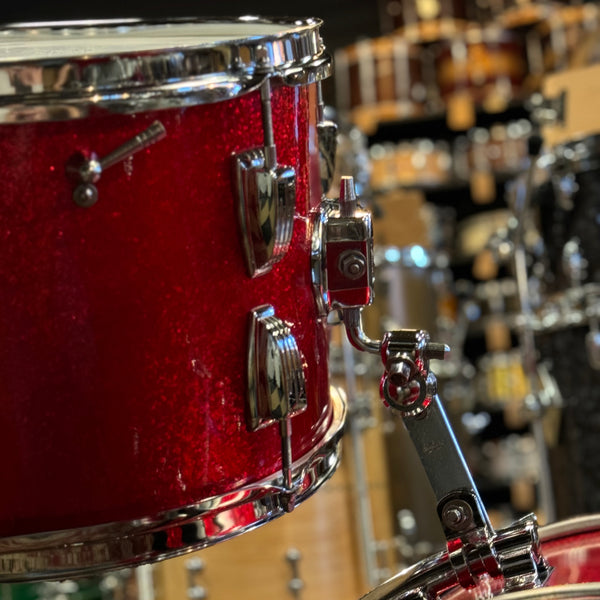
<point x="163" y="365"/>
<point x="571" y="549"/>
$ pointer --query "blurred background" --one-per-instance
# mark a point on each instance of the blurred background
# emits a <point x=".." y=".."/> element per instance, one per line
<point x="470" y="130"/>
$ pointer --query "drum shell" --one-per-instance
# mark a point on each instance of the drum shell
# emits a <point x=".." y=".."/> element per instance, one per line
<point x="419" y="163"/>
<point x="487" y="59"/>
<point x="384" y="79"/>
<point x="563" y="36"/>
<point x="125" y="325"/>
<point x="427" y="19"/>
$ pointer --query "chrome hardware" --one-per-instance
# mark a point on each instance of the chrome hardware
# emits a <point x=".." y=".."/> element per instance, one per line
<point x="514" y="549"/>
<point x="87" y="170"/>
<point x="95" y="549"/>
<point x="296" y="584"/>
<point x="276" y="382"/>
<point x="194" y="567"/>
<point x="327" y="137"/>
<point x="474" y="549"/>
<point x="407" y="384"/>
<point x="266" y="196"/>
<point x="342" y="253"/>
<point x="133" y="65"/>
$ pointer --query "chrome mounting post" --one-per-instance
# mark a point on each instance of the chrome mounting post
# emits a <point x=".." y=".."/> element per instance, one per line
<point x="86" y="170"/>
<point x="409" y="388"/>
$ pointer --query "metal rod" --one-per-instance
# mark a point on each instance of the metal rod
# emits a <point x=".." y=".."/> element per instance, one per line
<point x="320" y="103"/>
<point x="267" y="119"/>
<point x="142" y="140"/>
<point x="527" y="339"/>
<point x="353" y="321"/>
<point x="285" y="428"/>
<point x="364" y="514"/>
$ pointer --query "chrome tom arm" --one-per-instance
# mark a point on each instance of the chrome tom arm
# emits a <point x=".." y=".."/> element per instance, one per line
<point x="343" y="272"/>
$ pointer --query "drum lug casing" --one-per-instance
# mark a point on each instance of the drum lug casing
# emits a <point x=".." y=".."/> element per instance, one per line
<point x="266" y="195"/>
<point x="276" y="387"/>
<point x="276" y="382"/>
<point x="266" y="201"/>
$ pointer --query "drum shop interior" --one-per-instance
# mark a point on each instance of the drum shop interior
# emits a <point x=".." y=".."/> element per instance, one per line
<point x="376" y="373"/>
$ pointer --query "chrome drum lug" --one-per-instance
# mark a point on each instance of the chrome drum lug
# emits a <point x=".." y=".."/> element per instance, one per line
<point x="276" y="382"/>
<point x="266" y="202"/>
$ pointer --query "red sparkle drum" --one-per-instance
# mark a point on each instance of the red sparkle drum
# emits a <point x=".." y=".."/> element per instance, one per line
<point x="164" y="367"/>
<point x="571" y="548"/>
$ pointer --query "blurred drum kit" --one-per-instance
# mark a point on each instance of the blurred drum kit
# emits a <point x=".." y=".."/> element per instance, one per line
<point x="166" y="388"/>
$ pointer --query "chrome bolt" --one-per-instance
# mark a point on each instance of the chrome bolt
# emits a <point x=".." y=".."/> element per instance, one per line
<point x="91" y="170"/>
<point x="85" y="195"/>
<point x="437" y="351"/>
<point x="400" y="373"/>
<point x="457" y="515"/>
<point x="352" y="264"/>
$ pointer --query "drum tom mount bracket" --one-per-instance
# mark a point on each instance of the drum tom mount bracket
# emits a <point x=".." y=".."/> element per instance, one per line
<point x="343" y="273"/>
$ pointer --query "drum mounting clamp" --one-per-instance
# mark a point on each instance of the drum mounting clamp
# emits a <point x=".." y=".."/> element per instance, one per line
<point x="86" y="170"/>
<point x="342" y="277"/>
<point x="266" y="196"/>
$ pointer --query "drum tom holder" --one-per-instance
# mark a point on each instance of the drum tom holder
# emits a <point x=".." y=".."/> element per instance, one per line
<point x="343" y="275"/>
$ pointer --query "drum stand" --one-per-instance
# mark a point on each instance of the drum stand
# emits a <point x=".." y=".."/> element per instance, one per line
<point x="508" y="559"/>
<point x="526" y="333"/>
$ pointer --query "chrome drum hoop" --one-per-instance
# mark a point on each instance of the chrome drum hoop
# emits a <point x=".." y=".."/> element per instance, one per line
<point x="137" y="65"/>
<point x="89" y="550"/>
<point x="572" y="526"/>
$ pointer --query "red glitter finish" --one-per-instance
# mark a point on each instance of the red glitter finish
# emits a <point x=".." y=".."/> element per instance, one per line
<point x="124" y="326"/>
<point x="575" y="558"/>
